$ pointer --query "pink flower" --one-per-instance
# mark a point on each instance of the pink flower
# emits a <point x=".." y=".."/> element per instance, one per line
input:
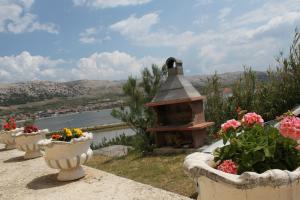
<point x="298" y="147"/>
<point x="228" y="166"/>
<point x="230" y="124"/>
<point x="252" y="118"/>
<point x="290" y="127"/>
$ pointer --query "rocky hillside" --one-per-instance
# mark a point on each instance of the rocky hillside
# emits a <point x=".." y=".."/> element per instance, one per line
<point x="19" y="93"/>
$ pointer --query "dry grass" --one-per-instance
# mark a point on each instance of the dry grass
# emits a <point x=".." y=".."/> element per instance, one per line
<point x="164" y="172"/>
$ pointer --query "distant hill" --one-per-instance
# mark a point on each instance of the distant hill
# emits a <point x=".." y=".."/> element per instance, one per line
<point x="24" y="92"/>
<point x="226" y="79"/>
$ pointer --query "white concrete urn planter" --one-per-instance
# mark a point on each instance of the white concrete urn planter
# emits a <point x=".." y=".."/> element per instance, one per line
<point x="28" y="142"/>
<point x="68" y="156"/>
<point x="213" y="184"/>
<point x="6" y="137"/>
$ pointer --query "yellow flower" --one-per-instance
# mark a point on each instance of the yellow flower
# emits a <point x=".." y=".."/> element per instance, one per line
<point x="68" y="132"/>
<point x="78" y="131"/>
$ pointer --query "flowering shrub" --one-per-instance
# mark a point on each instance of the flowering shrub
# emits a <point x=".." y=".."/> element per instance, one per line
<point x="10" y="124"/>
<point x="290" y="127"/>
<point x="257" y="148"/>
<point x="228" y="166"/>
<point x="67" y="134"/>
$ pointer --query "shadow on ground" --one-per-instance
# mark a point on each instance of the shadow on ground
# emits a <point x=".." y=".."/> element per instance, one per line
<point x="46" y="181"/>
<point x="15" y="159"/>
<point x="2" y="150"/>
<point x="194" y="195"/>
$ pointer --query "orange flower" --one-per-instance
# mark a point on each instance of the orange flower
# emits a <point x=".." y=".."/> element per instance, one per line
<point x="56" y="136"/>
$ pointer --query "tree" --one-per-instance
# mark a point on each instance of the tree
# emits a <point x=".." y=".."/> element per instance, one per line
<point x="244" y="90"/>
<point x="134" y="112"/>
<point x="270" y="98"/>
<point x="282" y="91"/>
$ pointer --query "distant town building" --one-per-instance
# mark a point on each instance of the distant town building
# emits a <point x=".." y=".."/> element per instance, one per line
<point x="227" y="92"/>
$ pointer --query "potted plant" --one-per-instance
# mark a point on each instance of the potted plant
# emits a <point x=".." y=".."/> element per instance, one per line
<point x="67" y="151"/>
<point x="27" y="140"/>
<point x="259" y="162"/>
<point x="9" y="128"/>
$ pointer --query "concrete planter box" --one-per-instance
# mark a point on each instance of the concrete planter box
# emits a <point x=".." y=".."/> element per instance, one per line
<point x="6" y="137"/>
<point x="68" y="156"/>
<point x="213" y="184"/>
<point x="28" y="142"/>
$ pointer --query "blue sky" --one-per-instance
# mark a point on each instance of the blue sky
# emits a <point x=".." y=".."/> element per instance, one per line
<point x="63" y="40"/>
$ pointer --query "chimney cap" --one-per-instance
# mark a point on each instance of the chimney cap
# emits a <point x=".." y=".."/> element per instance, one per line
<point x="176" y="88"/>
<point x="170" y="62"/>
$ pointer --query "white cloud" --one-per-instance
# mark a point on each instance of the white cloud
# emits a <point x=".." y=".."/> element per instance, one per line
<point x="25" y="67"/>
<point x="101" y="4"/>
<point x="16" y="17"/>
<point x="264" y="13"/>
<point x="223" y="13"/>
<point x="114" y="65"/>
<point x="288" y="19"/>
<point x="139" y="31"/>
<point x="201" y="20"/>
<point x="111" y="65"/>
<point x="272" y="21"/>
<point x="221" y="57"/>
<point x="202" y="3"/>
<point x="136" y="26"/>
<point x="92" y="35"/>
<point x="253" y="38"/>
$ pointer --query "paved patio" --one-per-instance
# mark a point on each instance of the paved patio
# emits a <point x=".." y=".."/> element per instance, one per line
<point x="33" y="179"/>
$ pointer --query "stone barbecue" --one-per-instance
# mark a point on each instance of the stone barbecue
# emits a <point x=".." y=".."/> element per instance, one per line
<point x="180" y="120"/>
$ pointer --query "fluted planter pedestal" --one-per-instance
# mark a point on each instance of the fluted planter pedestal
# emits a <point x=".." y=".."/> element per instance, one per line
<point x="213" y="184"/>
<point x="68" y="156"/>
<point x="10" y="146"/>
<point x="28" y="142"/>
<point x="71" y="174"/>
<point x="6" y="137"/>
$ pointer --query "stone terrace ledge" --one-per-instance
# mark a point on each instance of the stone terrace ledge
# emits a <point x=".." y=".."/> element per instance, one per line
<point x="33" y="180"/>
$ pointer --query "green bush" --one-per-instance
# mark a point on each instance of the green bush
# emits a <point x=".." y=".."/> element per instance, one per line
<point x="271" y="98"/>
<point x="282" y="92"/>
<point x="217" y="108"/>
<point x="259" y="149"/>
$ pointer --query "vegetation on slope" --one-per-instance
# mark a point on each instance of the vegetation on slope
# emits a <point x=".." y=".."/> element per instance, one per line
<point x="270" y="99"/>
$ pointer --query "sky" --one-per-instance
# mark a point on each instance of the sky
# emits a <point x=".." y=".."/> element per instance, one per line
<point x="63" y="40"/>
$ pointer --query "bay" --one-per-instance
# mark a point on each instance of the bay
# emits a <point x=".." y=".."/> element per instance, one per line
<point x="84" y="119"/>
<point x="77" y="120"/>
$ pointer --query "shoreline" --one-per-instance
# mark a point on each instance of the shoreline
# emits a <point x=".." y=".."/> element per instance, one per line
<point x="103" y="127"/>
<point x="67" y="114"/>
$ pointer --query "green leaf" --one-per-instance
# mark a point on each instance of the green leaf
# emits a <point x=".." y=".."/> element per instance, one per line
<point x="259" y="149"/>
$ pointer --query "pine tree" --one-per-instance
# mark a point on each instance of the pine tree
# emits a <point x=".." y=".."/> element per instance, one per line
<point x="134" y="112"/>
